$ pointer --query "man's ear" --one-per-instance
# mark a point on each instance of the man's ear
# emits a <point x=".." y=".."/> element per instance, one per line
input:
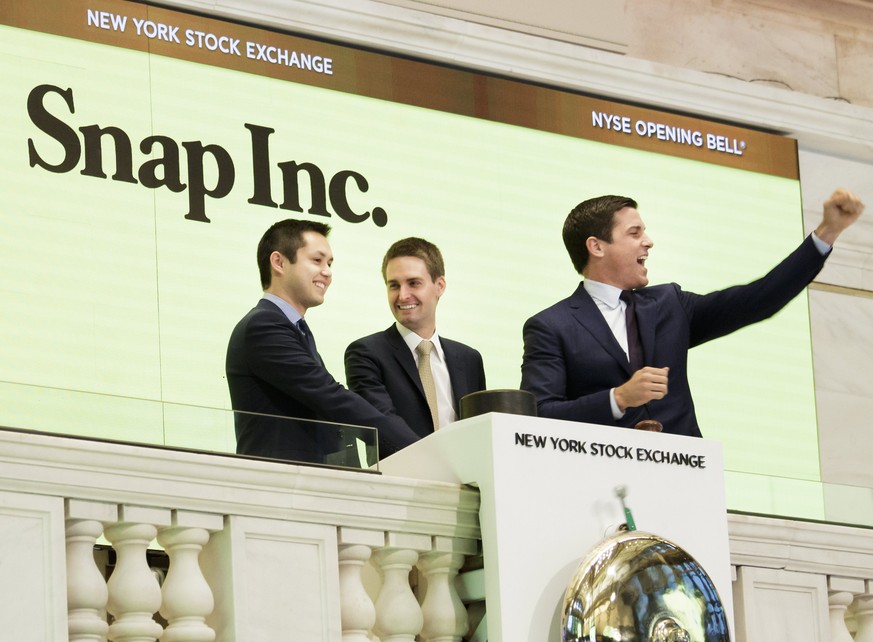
<point x="595" y="246"/>
<point x="441" y="285"/>
<point x="277" y="262"/>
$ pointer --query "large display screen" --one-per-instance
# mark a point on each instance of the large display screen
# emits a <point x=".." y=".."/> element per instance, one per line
<point x="144" y="152"/>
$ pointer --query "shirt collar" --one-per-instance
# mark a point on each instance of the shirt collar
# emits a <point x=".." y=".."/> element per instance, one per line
<point x="412" y="340"/>
<point x="603" y="292"/>
<point x="289" y="310"/>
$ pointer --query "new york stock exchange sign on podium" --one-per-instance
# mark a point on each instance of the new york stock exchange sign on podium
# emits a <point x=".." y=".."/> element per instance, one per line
<point x="548" y="497"/>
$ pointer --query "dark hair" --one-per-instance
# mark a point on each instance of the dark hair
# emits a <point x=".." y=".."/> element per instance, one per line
<point x="419" y="248"/>
<point x="285" y="237"/>
<point x="594" y="217"/>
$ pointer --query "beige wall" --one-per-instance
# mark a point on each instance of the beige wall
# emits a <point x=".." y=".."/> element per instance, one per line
<point x="822" y="48"/>
<point x="818" y="47"/>
<point x="593" y="23"/>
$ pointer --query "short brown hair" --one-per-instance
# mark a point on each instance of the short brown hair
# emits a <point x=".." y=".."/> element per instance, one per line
<point x="421" y="249"/>
<point x="594" y="217"/>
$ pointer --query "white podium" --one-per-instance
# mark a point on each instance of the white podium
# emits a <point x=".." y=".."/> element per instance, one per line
<point x="547" y="492"/>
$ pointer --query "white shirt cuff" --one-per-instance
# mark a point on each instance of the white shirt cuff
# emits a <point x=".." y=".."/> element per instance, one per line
<point x="822" y="247"/>
<point x="616" y="413"/>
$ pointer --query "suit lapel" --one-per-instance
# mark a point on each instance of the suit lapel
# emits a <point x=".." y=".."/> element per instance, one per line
<point x="586" y="312"/>
<point x="266" y="304"/>
<point x="647" y="318"/>
<point x="403" y="356"/>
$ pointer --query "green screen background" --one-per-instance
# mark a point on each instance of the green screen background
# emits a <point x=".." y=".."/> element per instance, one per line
<point x="117" y="310"/>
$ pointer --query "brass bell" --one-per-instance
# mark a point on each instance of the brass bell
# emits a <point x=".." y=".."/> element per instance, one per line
<point x="638" y="587"/>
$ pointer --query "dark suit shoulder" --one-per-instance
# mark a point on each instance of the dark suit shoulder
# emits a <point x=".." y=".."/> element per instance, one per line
<point x="564" y="303"/>
<point x="377" y="341"/>
<point x="661" y="292"/>
<point x="376" y="338"/>
<point x="458" y="347"/>
<point x="266" y="311"/>
<point x="663" y="289"/>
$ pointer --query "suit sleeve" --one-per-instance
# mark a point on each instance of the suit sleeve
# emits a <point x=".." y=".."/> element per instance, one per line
<point x="719" y="313"/>
<point x="544" y="373"/>
<point x="281" y="358"/>
<point x="365" y="376"/>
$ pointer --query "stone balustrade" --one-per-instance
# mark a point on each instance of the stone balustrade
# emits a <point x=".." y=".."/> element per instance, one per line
<point x="185" y="601"/>
<point x="263" y="551"/>
<point x="801" y="580"/>
<point x="254" y="550"/>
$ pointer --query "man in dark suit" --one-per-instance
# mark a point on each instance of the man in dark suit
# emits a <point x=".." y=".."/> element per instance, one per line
<point x="590" y="358"/>
<point x="386" y="368"/>
<point x="273" y="367"/>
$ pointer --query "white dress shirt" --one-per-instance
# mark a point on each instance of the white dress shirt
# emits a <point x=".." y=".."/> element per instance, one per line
<point x="606" y="298"/>
<point x="445" y="399"/>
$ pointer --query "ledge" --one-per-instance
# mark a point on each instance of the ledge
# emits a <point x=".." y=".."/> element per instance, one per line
<point x="120" y="473"/>
<point x="807" y="547"/>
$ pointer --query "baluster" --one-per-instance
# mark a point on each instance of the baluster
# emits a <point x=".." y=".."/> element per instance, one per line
<point x="838" y="602"/>
<point x="841" y="592"/>
<point x="87" y="593"/>
<point x="398" y="615"/>
<point x="357" y="609"/>
<point x="851" y="618"/>
<point x="445" y="618"/>
<point x="134" y="593"/>
<point x="187" y="598"/>
<point x="864" y="614"/>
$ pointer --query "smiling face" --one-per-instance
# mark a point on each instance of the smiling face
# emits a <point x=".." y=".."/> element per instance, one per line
<point x="304" y="282"/>
<point x="413" y="294"/>
<point x="622" y="261"/>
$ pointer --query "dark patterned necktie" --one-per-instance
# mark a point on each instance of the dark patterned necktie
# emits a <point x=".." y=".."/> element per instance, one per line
<point x="634" y="346"/>
<point x="307" y="334"/>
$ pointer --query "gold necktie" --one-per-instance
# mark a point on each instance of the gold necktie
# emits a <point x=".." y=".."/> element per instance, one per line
<point x="423" y="349"/>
